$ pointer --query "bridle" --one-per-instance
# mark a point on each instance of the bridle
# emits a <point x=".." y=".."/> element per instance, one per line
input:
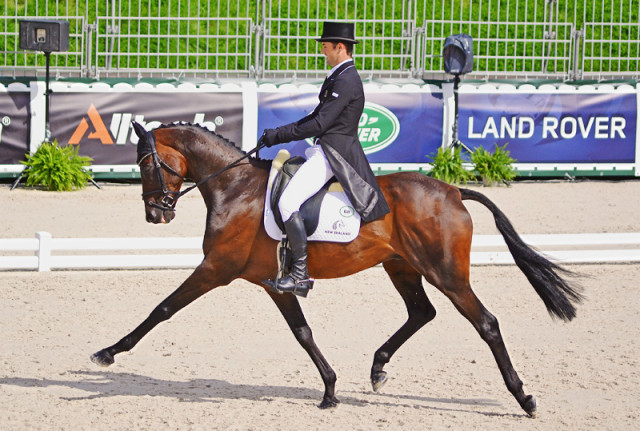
<point x="170" y="197"/>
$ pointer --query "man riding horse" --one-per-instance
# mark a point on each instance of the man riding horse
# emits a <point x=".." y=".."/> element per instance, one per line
<point x="336" y="152"/>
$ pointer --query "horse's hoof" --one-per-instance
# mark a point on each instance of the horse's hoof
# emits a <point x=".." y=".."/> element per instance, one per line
<point x="529" y="406"/>
<point x="102" y="358"/>
<point x="329" y="403"/>
<point x="378" y="380"/>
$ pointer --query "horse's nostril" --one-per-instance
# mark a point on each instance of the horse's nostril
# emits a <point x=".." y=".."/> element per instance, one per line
<point x="152" y="216"/>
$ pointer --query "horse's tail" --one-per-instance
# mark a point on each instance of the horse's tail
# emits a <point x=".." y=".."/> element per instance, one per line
<point x="557" y="294"/>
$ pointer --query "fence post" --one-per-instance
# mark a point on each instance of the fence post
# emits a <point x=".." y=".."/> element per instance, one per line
<point x="87" y="68"/>
<point x="259" y="30"/>
<point x="578" y="53"/>
<point x="44" y="251"/>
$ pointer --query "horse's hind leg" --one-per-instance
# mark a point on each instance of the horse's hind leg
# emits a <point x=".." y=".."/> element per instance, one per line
<point x="408" y="282"/>
<point x="487" y="326"/>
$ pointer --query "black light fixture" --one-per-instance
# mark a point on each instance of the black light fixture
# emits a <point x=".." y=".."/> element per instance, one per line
<point x="45" y="35"/>
<point x="458" y="60"/>
<point x="458" y="54"/>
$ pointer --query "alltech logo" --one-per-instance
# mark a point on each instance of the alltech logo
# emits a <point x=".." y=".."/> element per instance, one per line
<point x="93" y="127"/>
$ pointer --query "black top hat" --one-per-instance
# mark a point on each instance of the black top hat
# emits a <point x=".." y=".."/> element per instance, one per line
<point x="338" y="32"/>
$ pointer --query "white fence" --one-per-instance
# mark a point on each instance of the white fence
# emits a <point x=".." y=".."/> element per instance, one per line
<point x="44" y="253"/>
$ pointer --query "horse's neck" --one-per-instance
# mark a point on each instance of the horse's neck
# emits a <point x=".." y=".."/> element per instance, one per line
<point x="208" y="161"/>
<point x="209" y="155"/>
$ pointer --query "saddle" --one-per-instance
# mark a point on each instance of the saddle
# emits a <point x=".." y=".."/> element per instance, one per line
<point x="310" y="209"/>
<point x="328" y="215"/>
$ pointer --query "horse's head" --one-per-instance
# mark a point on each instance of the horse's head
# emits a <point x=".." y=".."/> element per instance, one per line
<point x="162" y="171"/>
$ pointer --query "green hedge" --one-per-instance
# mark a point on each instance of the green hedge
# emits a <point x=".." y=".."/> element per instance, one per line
<point x="184" y="52"/>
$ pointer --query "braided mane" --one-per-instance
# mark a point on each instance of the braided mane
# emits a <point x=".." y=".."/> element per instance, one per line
<point x="230" y="144"/>
<point x="204" y="129"/>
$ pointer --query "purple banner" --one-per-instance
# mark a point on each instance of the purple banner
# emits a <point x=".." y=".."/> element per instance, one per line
<point x="552" y="128"/>
<point x="394" y="127"/>
<point x="15" y="115"/>
<point x="100" y="123"/>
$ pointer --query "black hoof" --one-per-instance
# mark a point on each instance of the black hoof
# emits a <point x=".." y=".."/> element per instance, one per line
<point x="102" y="358"/>
<point x="529" y="406"/>
<point x="329" y="403"/>
<point x="378" y="380"/>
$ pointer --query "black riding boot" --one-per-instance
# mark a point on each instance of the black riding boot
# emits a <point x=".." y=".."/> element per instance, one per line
<point x="297" y="281"/>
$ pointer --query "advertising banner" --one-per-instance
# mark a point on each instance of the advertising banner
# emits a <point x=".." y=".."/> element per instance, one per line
<point x="15" y="115"/>
<point x="552" y="128"/>
<point x="100" y="123"/>
<point x="394" y="127"/>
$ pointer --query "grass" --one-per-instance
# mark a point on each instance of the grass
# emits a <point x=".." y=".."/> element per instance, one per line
<point x="138" y="30"/>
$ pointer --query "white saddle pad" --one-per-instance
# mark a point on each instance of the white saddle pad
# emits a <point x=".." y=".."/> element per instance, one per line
<point x="339" y="221"/>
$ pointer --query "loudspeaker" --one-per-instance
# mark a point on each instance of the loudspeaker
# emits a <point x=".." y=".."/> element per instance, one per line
<point x="458" y="54"/>
<point x="44" y="35"/>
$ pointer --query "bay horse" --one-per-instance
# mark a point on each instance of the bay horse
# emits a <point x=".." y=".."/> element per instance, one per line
<point x="427" y="234"/>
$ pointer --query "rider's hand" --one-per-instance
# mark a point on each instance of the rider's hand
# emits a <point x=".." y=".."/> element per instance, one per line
<point x="270" y="137"/>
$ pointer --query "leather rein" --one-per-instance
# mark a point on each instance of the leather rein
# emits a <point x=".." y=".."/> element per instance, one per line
<point x="170" y="197"/>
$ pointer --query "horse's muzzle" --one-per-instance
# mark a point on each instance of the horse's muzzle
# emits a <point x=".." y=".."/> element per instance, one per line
<point x="158" y="216"/>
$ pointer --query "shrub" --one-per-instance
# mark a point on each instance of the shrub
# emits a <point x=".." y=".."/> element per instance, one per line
<point x="57" y="168"/>
<point x="447" y="166"/>
<point x="493" y="168"/>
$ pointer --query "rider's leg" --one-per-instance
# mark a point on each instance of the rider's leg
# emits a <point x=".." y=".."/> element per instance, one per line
<point x="297" y="281"/>
<point x="309" y="178"/>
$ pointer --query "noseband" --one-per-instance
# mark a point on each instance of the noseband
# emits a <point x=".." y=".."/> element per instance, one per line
<point x="170" y="197"/>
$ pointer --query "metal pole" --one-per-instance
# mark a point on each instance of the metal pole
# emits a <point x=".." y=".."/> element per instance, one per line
<point x="47" y="130"/>
<point x="455" y="141"/>
<point x="15" y="183"/>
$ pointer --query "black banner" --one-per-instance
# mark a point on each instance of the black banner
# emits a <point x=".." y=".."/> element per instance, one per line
<point x="100" y="123"/>
<point x="15" y="113"/>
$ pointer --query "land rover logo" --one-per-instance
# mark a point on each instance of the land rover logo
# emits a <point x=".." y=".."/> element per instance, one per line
<point x="378" y="128"/>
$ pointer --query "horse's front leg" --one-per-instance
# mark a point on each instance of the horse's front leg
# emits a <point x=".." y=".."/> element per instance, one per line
<point x="290" y="308"/>
<point x="198" y="283"/>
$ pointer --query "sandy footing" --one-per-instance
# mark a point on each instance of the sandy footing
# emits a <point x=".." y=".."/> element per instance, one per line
<point x="228" y="361"/>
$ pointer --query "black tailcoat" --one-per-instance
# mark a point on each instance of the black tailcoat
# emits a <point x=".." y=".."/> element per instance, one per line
<point x="334" y="124"/>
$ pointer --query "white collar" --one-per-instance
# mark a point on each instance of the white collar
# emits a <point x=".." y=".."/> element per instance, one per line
<point x="334" y="68"/>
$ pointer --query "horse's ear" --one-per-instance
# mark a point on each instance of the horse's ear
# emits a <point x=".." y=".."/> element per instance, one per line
<point x="146" y="143"/>
<point x="139" y="129"/>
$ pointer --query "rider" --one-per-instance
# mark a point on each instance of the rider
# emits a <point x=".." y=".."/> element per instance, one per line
<point x="336" y="151"/>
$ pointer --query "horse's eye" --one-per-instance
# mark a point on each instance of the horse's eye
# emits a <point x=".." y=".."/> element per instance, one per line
<point x="146" y="169"/>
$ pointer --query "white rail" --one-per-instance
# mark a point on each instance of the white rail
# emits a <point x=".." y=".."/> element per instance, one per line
<point x="173" y="252"/>
<point x="563" y="248"/>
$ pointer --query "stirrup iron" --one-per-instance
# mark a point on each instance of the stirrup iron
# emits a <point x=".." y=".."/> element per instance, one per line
<point x="282" y="253"/>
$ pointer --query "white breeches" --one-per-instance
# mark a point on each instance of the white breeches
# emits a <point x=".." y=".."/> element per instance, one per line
<point x="310" y="177"/>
